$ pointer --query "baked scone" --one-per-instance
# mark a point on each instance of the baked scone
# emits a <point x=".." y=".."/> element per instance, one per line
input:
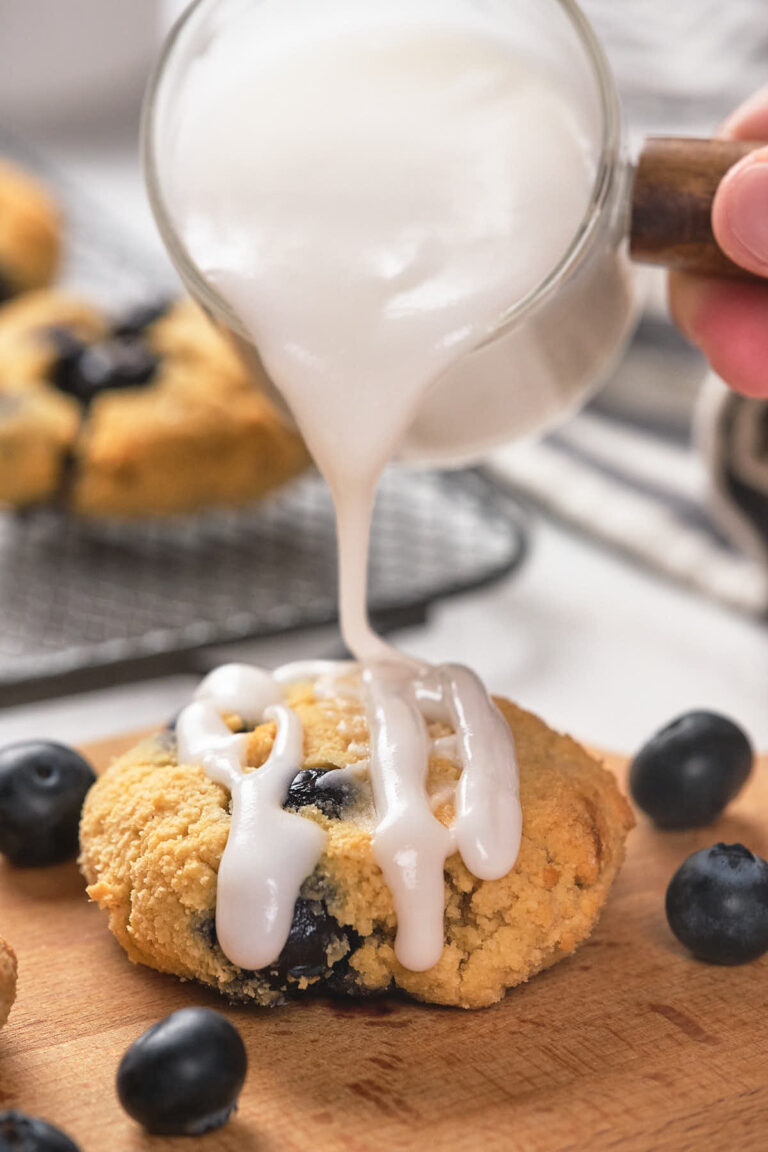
<point x="153" y="415"/>
<point x="7" y="980"/>
<point x="153" y="833"/>
<point x="30" y="234"/>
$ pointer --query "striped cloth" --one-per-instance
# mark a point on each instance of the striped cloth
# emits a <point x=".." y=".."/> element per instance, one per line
<point x="694" y="509"/>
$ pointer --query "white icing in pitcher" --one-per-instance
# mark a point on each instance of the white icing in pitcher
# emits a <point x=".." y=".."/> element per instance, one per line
<point x="370" y="188"/>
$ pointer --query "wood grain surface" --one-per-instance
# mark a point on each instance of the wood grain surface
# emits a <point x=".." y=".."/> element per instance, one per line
<point x="627" y="1045"/>
<point x="674" y="187"/>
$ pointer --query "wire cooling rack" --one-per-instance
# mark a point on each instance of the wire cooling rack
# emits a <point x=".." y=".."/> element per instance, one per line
<point x="78" y="598"/>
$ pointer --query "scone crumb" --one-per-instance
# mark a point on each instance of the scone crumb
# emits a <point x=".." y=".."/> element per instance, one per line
<point x="8" y="976"/>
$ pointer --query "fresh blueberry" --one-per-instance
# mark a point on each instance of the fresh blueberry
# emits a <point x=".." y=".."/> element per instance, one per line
<point x="313" y="933"/>
<point x="42" y="788"/>
<point x="717" y="904"/>
<point x="20" y="1133"/>
<point x="134" y="322"/>
<point x="183" y="1076"/>
<point x="687" y="773"/>
<point x="307" y="788"/>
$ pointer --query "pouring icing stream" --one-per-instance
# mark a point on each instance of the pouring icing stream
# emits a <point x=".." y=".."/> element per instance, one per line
<point x="368" y="188"/>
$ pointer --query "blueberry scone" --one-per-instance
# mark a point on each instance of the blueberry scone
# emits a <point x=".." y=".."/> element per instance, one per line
<point x="29" y="233"/>
<point x="154" y="834"/>
<point x="150" y="415"/>
<point x="7" y="980"/>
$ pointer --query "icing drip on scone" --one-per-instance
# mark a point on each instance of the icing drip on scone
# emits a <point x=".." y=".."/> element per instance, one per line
<point x="270" y="852"/>
<point x="410" y="845"/>
<point x="488" y="816"/>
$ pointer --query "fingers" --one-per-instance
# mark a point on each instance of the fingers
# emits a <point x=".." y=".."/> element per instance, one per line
<point x="740" y="209"/>
<point x="740" y="213"/>
<point x="750" y="120"/>
<point x="728" y="321"/>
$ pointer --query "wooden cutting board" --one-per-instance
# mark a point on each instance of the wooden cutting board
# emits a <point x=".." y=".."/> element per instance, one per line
<point x="627" y="1045"/>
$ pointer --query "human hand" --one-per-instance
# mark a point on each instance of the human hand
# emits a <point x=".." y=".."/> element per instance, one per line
<point x="727" y="319"/>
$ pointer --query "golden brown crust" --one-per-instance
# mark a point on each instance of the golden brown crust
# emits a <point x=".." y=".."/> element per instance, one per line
<point x="8" y="969"/>
<point x="199" y="434"/>
<point x="36" y="434"/>
<point x="30" y="231"/>
<point x="153" y="833"/>
<point x="38" y="424"/>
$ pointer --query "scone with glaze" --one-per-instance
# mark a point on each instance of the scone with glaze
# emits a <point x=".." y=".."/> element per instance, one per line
<point x="30" y="233"/>
<point x="150" y="414"/>
<point x="153" y="833"/>
<point x="7" y="980"/>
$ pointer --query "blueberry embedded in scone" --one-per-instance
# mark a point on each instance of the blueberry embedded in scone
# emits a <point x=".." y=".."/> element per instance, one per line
<point x="312" y="786"/>
<point x="85" y="370"/>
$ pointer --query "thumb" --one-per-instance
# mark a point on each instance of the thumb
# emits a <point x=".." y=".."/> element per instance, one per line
<point x="740" y="213"/>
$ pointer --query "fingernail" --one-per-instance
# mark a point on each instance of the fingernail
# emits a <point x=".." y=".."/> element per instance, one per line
<point x="747" y="209"/>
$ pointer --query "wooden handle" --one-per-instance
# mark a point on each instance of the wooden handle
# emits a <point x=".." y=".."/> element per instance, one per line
<point x="675" y="184"/>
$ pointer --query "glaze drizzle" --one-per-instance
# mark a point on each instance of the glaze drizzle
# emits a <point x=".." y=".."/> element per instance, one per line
<point x="270" y="852"/>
